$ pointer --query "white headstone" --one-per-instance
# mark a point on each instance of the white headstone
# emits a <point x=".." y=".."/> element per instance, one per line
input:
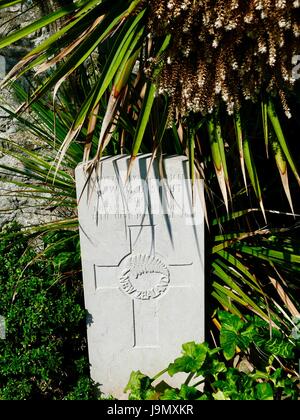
<point x="142" y="244"/>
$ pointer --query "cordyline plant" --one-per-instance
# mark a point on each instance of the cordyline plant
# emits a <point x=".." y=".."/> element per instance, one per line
<point x="248" y="269"/>
<point x="177" y="64"/>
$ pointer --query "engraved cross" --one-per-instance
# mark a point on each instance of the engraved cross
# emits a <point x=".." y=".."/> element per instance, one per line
<point x="145" y="278"/>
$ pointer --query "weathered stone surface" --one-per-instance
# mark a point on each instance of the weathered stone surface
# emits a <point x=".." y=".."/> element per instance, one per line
<point x="13" y="207"/>
<point x="143" y="265"/>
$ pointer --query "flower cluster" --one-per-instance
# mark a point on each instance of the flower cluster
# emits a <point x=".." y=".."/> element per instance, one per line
<point x="225" y="50"/>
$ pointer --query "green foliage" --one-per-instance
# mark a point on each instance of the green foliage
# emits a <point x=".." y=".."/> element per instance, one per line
<point x="252" y="363"/>
<point x="236" y="333"/>
<point x="44" y="355"/>
<point x="116" y="111"/>
<point x="117" y="69"/>
<point x="139" y="386"/>
<point x="240" y="256"/>
<point x="194" y="356"/>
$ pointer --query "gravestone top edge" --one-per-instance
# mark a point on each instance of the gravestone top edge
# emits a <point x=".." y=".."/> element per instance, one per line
<point x="145" y="192"/>
<point x="107" y="159"/>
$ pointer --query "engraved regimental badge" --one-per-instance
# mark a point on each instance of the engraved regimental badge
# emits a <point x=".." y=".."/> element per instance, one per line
<point x="144" y="277"/>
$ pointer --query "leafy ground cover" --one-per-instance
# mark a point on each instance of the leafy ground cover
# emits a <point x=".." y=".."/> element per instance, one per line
<point x="44" y="355"/>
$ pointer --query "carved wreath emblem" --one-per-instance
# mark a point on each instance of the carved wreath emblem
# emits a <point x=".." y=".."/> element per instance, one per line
<point x="144" y="277"/>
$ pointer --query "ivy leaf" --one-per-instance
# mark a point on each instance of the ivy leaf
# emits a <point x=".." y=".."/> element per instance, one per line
<point x="170" y="394"/>
<point x="234" y="334"/>
<point x="276" y="346"/>
<point x="264" y="392"/>
<point x="217" y="368"/>
<point x="278" y="378"/>
<point x="204" y="397"/>
<point x="249" y="333"/>
<point x="228" y="341"/>
<point x="194" y="356"/>
<point x="182" y="364"/>
<point x="281" y="348"/>
<point x="196" y="351"/>
<point x="189" y="392"/>
<point x="220" y="396"/>
<point x="230" y="322"/>
<point x="232" y="378"/>
<point x="138" y="385"/>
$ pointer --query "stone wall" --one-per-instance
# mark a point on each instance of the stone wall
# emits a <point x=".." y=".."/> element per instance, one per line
<point x="13" y="207"/>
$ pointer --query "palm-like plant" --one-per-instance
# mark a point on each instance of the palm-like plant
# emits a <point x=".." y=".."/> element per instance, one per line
<point x="121" y="111"/>
<point x="145" y="39"/>
<point x="248" y="268"/>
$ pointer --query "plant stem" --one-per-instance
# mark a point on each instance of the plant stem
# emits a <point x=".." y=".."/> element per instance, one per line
<point x="159" y="374"/>
<point x="189" y="378"/>
<point x="199" y="383"/>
